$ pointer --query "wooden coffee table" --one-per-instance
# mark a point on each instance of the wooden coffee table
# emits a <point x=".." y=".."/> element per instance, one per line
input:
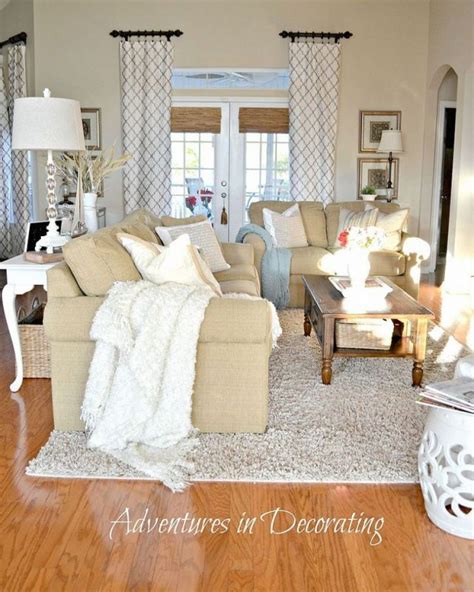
<point x="324" y="304"/>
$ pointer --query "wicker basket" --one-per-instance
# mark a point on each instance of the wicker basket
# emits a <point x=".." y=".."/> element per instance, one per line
<point x="34" y="346"/>
<point x="364" y="333"/>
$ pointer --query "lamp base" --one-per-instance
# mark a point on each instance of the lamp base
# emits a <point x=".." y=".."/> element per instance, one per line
<point x="52" y="240"/>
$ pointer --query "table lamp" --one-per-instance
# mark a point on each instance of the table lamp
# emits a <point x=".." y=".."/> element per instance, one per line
<point x="391" y="142"/>
<point x="50" y="124"/>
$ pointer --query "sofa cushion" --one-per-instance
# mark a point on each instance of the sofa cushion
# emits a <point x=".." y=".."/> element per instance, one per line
<point x="98" y="260"/>
<point x="180" y="262"/>
<point x="332" y="214"/>
<point x="286" y="229"/>
<point x="387" y="263"/>
<point x="141" y="216"/>
<point x="203" y="236"/>
<point x="170" y="221"/>
<point x="311" y="260"/>
<point x="312" y="214"/>
<point x="241" y="271"/>
<point x="393" y="225"/>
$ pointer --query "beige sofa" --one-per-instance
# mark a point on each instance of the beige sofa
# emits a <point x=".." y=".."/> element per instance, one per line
<point x="321" y="225"/>
<point x="231" y="386"/>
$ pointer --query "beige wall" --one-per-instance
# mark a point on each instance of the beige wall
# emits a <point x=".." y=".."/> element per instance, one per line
<point x="17" y="17"/>
<point x="451" y="45"/>
<point x="384" y="64"/>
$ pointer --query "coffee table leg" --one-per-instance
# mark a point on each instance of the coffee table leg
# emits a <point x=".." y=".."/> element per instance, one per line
<point x="419" y="351"/>
<point x="328" y="350"/>
<point x="307" y="311"/>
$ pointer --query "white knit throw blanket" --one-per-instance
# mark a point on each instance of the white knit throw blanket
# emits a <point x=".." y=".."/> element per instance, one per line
<point x="138" y="399"/>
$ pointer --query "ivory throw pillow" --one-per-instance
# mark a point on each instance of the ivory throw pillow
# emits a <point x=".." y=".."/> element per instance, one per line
<point x="180" y="262"/>
<point x="286" y="229"/>
<point x="348" y="218"/>
<point x="392" y="224"/>
<point x="202" y="235"/>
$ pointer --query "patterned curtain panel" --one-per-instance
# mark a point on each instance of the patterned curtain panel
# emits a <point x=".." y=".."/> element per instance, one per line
<point x="5" y="169"/>
<point x="313" y="102"/>
<point x="146" y="68"/>
<point x="16" y="197"/>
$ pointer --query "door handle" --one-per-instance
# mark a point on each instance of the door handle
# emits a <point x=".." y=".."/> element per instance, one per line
<point x="444" y="197"/>
<point x="224" y="195"/>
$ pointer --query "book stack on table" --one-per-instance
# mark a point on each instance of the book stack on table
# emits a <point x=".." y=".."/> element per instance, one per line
<point x="453" y="395"/>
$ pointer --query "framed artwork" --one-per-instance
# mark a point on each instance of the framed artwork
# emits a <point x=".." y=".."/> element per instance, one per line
<point x="371" y="126"/>
<point x="374" y="172"/>
<point x="91" y="125"/>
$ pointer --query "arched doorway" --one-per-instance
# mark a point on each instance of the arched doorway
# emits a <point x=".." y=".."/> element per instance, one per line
<point x="443" y="171"/>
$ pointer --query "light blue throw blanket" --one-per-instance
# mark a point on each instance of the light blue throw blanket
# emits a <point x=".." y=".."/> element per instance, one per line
<point x="275" y="269"/>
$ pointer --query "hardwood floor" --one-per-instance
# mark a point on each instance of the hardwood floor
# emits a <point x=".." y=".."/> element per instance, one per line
<point x="54" y="534"/>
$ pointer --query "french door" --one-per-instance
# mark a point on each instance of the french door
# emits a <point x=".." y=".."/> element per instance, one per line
<point x="242" y="160"/>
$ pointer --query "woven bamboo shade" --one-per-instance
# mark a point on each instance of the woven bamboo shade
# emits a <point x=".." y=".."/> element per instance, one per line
<point x="266" y="120"/>
<point x="205" y="120"/>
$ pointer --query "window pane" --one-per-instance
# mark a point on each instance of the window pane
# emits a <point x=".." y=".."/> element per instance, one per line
<point x="266" y="167"/>
<point x="192" y="175"/>
<point x="192" y="155"/>
<point x="177" y="154"/>
<point x="207" y="156"/>
<point x="252" y="156"/>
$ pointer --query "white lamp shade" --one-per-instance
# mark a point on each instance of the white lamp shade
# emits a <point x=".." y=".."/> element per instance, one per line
<point x="391" y="141"/>
<point x="45" y="123"/>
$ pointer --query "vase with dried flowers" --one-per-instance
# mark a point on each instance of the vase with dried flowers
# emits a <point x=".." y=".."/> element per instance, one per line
<point x="359" y="242"/>
<point x="88" y="172"/>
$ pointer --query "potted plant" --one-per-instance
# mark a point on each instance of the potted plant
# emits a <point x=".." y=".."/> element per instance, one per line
<point x="368" y="193"/>
<point x="87" y="172"/>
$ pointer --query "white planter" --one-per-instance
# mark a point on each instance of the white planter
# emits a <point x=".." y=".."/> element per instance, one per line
<point x="368" y="196"/>
<point x="446" y="468"/>
<point x="358" y="267"/>
<point x="90" y="211"/>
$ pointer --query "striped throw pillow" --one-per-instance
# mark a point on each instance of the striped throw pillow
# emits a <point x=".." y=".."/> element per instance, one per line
<point x="202" y="235"/>
<point x="348" y="218"/>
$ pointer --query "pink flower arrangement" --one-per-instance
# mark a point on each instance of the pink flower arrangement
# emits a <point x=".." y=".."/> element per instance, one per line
<point x="370" y="238"/>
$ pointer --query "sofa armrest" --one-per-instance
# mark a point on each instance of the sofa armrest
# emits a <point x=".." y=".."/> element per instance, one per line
<point x="61" y="282"/>
<point x="412" y="245"/>
<point x="259" y="249"/>
<point x="415" y="250"/>
<point x="236" y="320"/>
<point x="227" y="320"/>
<point x="70" y="319"/>
<point x="238" y="253"/>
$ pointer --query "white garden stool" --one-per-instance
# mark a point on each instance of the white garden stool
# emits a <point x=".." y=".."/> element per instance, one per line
<point x="446" y="466"/>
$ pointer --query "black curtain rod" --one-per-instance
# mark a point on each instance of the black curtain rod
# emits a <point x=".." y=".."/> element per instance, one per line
<point x="126" y="34"/>
<point x="297" y="35"/>
<point x="20" y="38"/>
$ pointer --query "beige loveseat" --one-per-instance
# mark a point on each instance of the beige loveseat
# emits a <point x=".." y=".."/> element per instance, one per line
<point x="319" y="258"/>
<point x="231" y="386"/>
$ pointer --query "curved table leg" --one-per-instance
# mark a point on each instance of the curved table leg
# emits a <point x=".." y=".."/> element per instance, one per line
<point x="9" y="294"/>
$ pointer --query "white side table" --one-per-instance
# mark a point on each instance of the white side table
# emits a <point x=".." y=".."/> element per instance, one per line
<point x="22" y="276"/>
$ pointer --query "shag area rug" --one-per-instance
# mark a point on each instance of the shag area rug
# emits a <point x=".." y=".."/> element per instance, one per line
<point x="364" y="427"/>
